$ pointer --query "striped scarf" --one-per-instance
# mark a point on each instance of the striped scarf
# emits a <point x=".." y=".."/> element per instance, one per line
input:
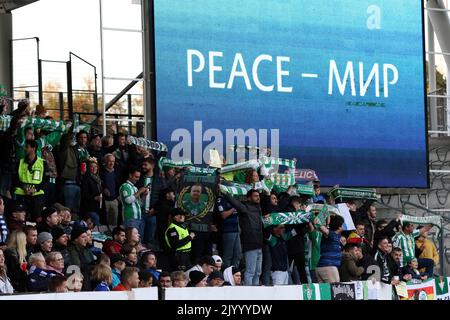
<point x="299" y="217"/>
<point x="434" y="220"/>
<point x="270" y="162"/>
<point x="165" y="162"/>
<point x="44" y="124"/>
<point x="201" y="171"/>
<point x="3" y="230"/>
<point x="277" y="218"/>
<point x="251" y="164"/>
<point x="265" y="185"/>
<point x="5" y="122"/>
<point x="40" y="272"/>
<point x="282" y="179"/>
<point x="354" y="193"/>
<point x="148" y="144"/>
<point x="236" y="189"/>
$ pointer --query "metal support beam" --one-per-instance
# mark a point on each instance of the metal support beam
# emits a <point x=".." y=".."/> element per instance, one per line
<point x="148" y="46"/>
<point x="69" y="89"/>
<point x="40" y="84"/>
<point x="129" y="108"/>
<point x="5" y="52"/>
<point x="61" y="105"/>
<point x="432" y="75"/>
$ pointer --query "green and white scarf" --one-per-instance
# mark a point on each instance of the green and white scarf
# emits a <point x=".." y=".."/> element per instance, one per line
<point x="299" y="217"/>
<point x="201" y="171"/>
<point x="165" y="162"/>
<point x="271" y="161"/>
<point x="304" y="189"/>
<point x="236" y="189"/>
<point x="322" y="216"/>
<point x="148" y="144"/>
<point x="282" y="179"/>
<point x="277" y="218"/>
<point x="44" y="124"/>
<point x="265" y="185"/>
<point x="354" y="193"/>
<point x="318" y="207"/>
<point x="434" y="220"/>
<point x="251" y="164"/>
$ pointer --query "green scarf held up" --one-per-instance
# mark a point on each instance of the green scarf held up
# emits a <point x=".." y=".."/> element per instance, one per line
<point x="235" y="189"/>
<point x="277" y="218"/>
<point x="201" y="171"/>
<point x="299" y="217"/>
<point x="147" y="144"/>
<point x="165" y="162"/>
<point x="271" y="161"/>
<point x="282" y="179"/>
<point x="352" y="193"/>
<point x="434" y="220"/>
<point x="251" y="164"/>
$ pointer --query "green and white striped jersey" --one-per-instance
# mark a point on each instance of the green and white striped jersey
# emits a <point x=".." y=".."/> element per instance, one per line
<point x="406" y="243"/>
<point x="131" y="205"/>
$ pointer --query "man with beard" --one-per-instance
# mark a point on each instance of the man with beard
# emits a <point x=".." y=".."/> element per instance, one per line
<point x="60" y="242"/>
<point x="154" y="183"/>
<point x="114" y="246"/>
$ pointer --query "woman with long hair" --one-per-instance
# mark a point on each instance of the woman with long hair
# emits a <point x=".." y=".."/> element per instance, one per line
<point x="130" y="254"/>
<point x="132" y="238"/>
<point x="252" y="177"/>
<point x="5" y="284"/>
<point x="15" y="257"/>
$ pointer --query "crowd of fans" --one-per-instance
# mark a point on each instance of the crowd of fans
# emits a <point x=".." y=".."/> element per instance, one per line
<point x="59" y="189"/>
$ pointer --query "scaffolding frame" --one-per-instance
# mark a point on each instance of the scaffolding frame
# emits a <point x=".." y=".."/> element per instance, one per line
<point x="104" y="78"/>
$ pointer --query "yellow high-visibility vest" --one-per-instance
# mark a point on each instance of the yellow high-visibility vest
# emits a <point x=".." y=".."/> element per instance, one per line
<point x="182" y="233"/>
<point x="33" y="177"/>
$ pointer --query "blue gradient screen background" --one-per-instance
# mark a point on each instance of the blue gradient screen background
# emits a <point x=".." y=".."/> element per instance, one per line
<point x="349" y="140"/>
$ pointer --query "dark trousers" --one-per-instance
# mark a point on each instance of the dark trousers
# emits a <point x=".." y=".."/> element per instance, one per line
<point x="299" y="262"/>
<point x="428" y="264"/>
<point x="201" y="245"/>
<point x="50" y="194"/>
<point x="34" y="205"/>
<point x="180" y="261"/>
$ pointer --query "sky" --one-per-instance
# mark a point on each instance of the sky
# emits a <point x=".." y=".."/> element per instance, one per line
<point x="74" y="25"/>
<point x="65" y="26"/>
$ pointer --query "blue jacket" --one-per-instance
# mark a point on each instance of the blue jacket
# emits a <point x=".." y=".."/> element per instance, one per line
<point x="154" y="273"/>
<point x="115" y="278"/>
<point x="330" y="250"/>
<point x="102" y="286"/>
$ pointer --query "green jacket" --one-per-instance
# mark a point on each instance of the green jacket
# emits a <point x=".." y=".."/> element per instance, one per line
<point x="80" y="257"/>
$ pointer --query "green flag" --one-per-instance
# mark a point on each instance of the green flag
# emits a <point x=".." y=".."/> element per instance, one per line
<point x="316" y="291"/>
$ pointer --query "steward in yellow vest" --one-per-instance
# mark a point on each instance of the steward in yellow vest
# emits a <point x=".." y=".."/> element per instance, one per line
<point x="179" y="240"/>
<point x="31" y="181"/>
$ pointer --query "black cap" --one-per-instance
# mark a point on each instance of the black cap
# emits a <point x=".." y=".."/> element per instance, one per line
<point x="216" y="274"/>
<point x="57" y="233"/>
<point x="176" y="212"/>
<point x="196" y="276"/>
<point x="48" y="212"/>
<point x="76" y="232"/>
<point x="116" y="257"/>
